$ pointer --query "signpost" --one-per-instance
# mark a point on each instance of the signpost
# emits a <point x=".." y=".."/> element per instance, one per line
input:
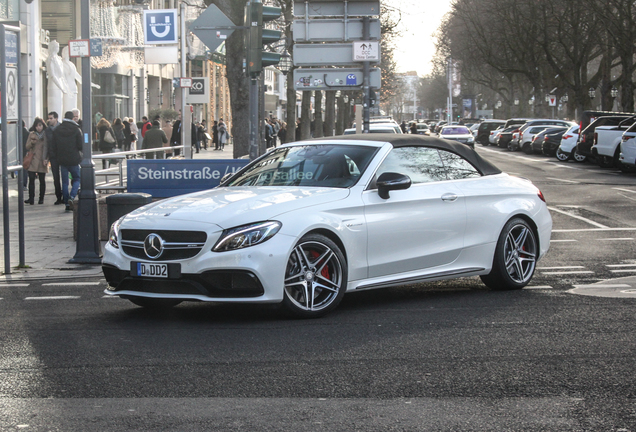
<point x="11" y="135"/>
<point x="337" y="33"/>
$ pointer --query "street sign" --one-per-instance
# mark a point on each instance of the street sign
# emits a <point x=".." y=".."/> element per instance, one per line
<point x="160" y="26"/>
<point x="79" y="48"/>
<point x="213" y="27"/>
<point x="12" y="94"/>
<point x="334" y="79"/>
<point x="366" y="51"/>
<point x="323" y="55"/>
<point x="96" y="47"/>
<point x="199" y="92"/>
<point x="333" y="30"/>
<point x="552" y="100"/>
<point x="185" y="82"/>
<point x="330" y="8"/>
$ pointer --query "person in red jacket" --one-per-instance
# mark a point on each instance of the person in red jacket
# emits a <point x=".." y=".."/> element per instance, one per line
<point x="147" y="125"/>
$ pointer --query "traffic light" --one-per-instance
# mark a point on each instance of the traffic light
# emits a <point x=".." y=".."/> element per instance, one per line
<point x="255" y="15"/>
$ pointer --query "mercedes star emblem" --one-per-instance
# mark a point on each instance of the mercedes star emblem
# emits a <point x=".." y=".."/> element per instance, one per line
<point x="153" y="246"/>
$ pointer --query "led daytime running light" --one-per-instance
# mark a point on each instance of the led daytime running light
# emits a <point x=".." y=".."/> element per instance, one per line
<point x="246" y="236"/>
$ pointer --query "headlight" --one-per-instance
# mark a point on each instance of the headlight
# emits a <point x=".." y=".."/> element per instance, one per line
<point x="246" y="236"/>
<point x="471" y="139"/>
<point x="113" y="235"/>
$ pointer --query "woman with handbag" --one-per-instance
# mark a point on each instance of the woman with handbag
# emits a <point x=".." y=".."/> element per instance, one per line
<point x="107" y="139"/>
<point x="35" y="161"/>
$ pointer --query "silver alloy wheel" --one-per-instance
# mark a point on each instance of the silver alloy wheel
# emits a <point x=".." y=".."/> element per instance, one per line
<point x="579" y="157"/>
<point x="520" y="254"/>
<point x="314" y="276"/>
<point x="562" y="156"/>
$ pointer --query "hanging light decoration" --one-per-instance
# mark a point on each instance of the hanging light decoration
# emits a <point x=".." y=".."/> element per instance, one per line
<point x="129" y="23"/>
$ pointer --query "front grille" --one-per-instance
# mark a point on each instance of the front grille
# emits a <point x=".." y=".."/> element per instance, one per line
<point x="178" y="245"/>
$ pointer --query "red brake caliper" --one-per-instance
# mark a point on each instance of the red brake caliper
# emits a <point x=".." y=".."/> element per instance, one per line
<point x="325" y="270"/>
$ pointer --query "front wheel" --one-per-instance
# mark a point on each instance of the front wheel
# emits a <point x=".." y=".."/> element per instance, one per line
<point x="527" y="148"/>
<point x="515" y="257"/>
<point x="315" y="277"/>
<point x="578" y="157"/>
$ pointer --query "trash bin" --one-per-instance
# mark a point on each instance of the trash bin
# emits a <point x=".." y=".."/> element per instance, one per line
<point x="121" y="204"/>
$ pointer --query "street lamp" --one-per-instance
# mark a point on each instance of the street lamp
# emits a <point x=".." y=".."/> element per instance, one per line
<point x="285" y="64"/>
<point x="614" y="92"/>
<point x="592" y="92"/>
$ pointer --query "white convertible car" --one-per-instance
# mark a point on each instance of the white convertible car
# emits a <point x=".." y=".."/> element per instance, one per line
<point x="311" y="220"/>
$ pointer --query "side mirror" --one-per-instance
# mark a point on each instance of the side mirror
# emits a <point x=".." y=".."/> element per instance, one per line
<point x="392" y="181"/>
<point x="225" y="177"/>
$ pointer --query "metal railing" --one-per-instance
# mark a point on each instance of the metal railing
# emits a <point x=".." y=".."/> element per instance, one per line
<point x="118" y="172"/>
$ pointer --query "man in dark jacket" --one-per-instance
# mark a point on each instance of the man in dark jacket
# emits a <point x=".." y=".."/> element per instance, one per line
<point x="155" y="138"/>
<point x="55" y="165"/>
<point x="67" y="148"/>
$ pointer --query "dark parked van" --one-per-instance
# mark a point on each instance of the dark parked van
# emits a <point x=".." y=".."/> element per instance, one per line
<point x="485" y="127"/>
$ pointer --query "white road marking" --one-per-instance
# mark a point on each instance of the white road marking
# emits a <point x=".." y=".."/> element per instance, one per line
<point x="603" y="286"/>
<point x="617" y="239"/>
<point x="567" y="272"/>
<point x="591" y="222"/>
<point x="620" y="265"/>
<point x="70" y="283"/>
<point x="562" y="241"/>
<point x="625" y="190"/>
<point x="539" y="287"/>
<point x="564" y="166"/>
<point x="560" y="268"/>
<point x="562" y="180"/>
<point x="53" y="298"/>
<point x="623" y="271"/>
<point x="593" y="229"/>
<point x="14" y="285"/>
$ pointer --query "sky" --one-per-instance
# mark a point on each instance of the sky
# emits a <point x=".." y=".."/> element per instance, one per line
<point x="420" y="19"/>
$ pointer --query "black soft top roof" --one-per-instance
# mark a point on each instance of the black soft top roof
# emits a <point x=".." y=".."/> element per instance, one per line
<point x="409" y="140"/>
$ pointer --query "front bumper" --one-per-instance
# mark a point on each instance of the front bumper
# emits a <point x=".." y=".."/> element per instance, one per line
<point x="253" y="274"/>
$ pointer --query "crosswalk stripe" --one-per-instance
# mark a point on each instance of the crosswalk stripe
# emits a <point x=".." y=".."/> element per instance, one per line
<point x="70" y="283"/>
<point x="53" y="298"/>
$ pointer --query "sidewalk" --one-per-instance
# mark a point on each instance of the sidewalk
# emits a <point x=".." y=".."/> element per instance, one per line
<point x="48" y="234"/>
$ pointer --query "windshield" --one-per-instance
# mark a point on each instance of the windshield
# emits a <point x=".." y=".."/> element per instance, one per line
<point x="455" y="131"/>
<point x="325" y="165"/>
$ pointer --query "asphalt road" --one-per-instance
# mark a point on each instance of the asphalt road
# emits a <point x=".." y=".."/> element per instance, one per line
<point x="446" y="356"/>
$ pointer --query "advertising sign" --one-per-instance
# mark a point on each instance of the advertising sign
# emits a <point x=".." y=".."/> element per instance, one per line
<point x="160" y="26"/>
<point x="199" y="92"/>
<point x="163" y="178"/>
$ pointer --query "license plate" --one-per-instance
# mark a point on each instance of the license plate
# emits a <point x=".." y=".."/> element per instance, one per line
<point x="152" y="270"/>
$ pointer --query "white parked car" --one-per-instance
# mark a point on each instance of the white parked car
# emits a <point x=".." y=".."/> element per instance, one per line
<point x="309" y="221"/>
<point x="458" y="133"/>
<point x="494" y="135"/>
<point x="378" y="128"/>
<point x="628" y="150"/>
<point x="567" y="148"/>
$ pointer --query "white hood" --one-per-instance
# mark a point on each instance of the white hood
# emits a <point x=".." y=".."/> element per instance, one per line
<point x="233" y="206"/>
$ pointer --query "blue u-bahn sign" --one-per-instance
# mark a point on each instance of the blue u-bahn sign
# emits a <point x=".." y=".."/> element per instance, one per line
<point x="160" y="26"/>
<point x="164" y="178"/>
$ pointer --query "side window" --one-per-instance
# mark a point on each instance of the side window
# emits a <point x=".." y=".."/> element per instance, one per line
<point x="421" y="164"/>
<point x="457" y="167"/>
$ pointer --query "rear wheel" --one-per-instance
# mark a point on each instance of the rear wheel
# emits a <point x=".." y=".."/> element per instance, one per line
<point x="515" y="257"/>
<point x="315" y="277"/>
<point x="527" y="148"/>
<point x="605" y="161"/>
<point x="562" y="156"/>
<point x="153" y="303"/>
<point x="578" y="157"/>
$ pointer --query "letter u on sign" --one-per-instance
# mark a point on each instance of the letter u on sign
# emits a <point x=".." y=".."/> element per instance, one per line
<point x="160" y="26"/>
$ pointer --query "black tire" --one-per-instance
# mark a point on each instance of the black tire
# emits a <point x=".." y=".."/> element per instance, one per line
<point x="515" y="257"/>
<point x="627" y="169"/>
<point x="316" y="266"/>
<point x="578" y="157"/>
<point x="604" y="161"/>
<point x="527" y="148"/>
<point x="562" y="156"/>
<point x="153" y="303"/>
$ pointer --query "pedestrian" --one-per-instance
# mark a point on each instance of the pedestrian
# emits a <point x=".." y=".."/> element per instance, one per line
<point x="403" y="126"/>
<point x="175" y="139"/>
<point x="167" y="129"/>
<point x="126" y="132"/>
<point x="106" y="139"/>
<point x="36" y="143"/>
<point x="76" y="117"/>
<point x="196" y="140"/>
<point x="118" y="128"/>
<point x="134" y="134"/>
<point x="67" y="147"/>
<point x="298" y="123"/>
<point x="282" y="133"/>
<point x="204" y="133"/>
<point x="413" y="128"/>
<point x="269" y="132"/>
<point x="155" y="138"/>
<point x="215" y="135"/>
<point x="222" y="134"/>
<point x="146" y="126"/>
<point x="55" y="165"/>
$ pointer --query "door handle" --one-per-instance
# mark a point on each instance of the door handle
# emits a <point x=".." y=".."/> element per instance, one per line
<point x="450" y="197"/>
